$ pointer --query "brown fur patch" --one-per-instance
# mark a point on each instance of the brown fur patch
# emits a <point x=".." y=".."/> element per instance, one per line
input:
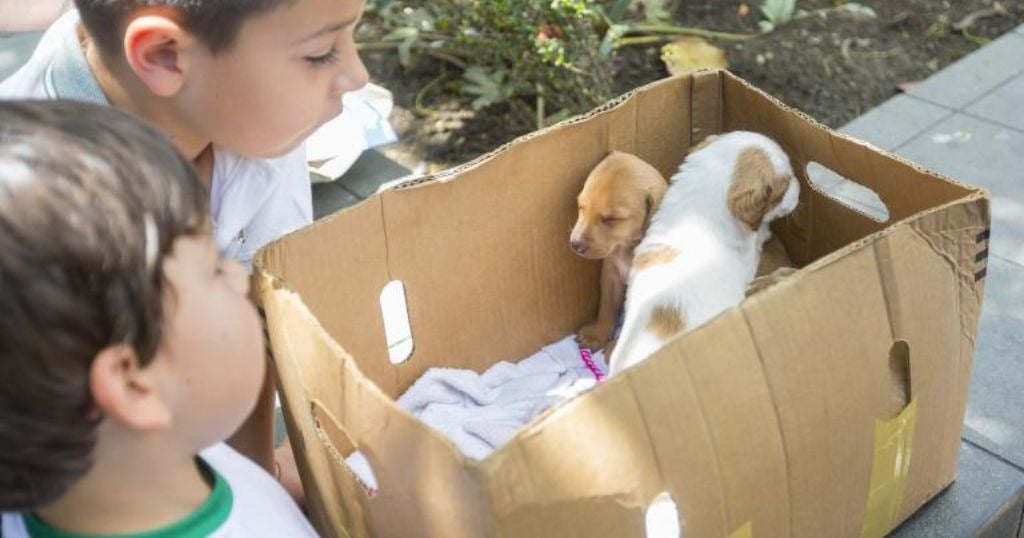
<point x="666" y="322"/>
<point x="654" y="257"/>
<point x="755" y="189"/>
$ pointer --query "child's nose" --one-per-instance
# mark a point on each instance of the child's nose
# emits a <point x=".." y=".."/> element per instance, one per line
<point x="352" y="74"/>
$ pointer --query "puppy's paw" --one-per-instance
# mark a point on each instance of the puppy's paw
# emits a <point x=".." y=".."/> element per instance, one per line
<point x="609" y="348"/>
<point x="594" y="336"/>
<point x="762" y="283"/>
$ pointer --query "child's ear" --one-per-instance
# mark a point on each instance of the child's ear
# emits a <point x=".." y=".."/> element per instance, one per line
<point x="126" y="392"/>
<point x="157" y="50"/>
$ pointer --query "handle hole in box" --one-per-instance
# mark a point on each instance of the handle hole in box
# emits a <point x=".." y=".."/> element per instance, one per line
<point x="662" y="518"/>
<point x="899" y="378"/>
<point x="847" y="193"/>
<point x="397" y="330"/>
<point x="343" y="448"/>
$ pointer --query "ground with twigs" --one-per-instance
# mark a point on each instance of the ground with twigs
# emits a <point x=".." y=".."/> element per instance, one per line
<point x="830" y="61"/>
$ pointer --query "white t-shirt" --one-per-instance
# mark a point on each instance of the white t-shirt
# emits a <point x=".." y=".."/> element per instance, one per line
<point x="246" y="502"/>
<point x="252" y="202"/>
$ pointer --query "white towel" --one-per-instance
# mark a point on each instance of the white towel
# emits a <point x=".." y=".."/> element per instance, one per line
<point x="481" y="412"/>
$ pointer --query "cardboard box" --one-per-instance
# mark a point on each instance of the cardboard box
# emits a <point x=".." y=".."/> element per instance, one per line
<point x="774" y="419"/>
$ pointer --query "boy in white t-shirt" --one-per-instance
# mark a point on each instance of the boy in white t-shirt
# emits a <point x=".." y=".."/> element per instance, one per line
<point x="129" y="349"/>
<point x="238" y="85"/>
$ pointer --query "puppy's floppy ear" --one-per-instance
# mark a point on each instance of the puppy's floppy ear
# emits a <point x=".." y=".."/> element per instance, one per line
<point x="656" y="185"/>
<point x="754" y="190"/>
<point x="649" y="205"/>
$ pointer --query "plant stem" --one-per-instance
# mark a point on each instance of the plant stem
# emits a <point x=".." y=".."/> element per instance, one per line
<point x="540" y="107"/>
<point x="418" y="102"/>
<point x="642" y="40"/>
<point x="440" y="54"/>
<point x="684" y="30"/>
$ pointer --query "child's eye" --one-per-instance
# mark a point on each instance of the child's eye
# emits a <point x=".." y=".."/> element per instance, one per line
<point x="608" y="220"/>
<point x="324" y="59"/>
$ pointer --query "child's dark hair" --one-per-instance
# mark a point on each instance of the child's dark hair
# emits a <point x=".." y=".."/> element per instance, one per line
<point x="91" y="200"/>
<point x="214" y="22"/>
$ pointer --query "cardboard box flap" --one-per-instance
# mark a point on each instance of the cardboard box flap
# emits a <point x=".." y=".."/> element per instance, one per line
<point x="679" y="423"/>
<point x="335" y="410"/>
<point x="825" y="361"/>
<point x="707" y="105"/>
<point x="356" y="266"/>
<point x="712" y="422"/>
<point x="828" y="405"/>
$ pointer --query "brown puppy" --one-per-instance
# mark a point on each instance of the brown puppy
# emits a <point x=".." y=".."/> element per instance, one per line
<point x="615" y="206"/>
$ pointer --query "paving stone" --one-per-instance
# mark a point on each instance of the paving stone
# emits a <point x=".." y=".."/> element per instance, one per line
<point x="1003" y="104"/>
<point x="369" y="172"/>
<point x="896" y="121"/>
<point x="981" y="153"/>
<point x="330" y="197"/>
<point x="1006" y="521"/>
<point x="994" y="418"/>
<point x="983" y="486"/>
<point x="976" y="74"/>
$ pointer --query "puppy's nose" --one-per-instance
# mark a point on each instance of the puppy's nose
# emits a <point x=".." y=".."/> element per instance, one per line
<point x="581" y="247"/>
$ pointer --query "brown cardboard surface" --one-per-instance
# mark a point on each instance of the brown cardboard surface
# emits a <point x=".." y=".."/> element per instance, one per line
<point x="766" y="415"/>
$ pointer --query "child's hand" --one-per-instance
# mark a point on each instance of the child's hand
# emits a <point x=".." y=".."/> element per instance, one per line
<point x="287" y="473"/>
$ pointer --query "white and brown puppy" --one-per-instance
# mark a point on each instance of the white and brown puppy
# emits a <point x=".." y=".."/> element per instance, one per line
<point x="702" y="247"/>
<point x="615" y="206"/>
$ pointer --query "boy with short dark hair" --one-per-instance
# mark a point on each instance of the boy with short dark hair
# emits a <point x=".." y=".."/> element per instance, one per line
<point x="128" y="347"/>
<point x="238" y="85"/>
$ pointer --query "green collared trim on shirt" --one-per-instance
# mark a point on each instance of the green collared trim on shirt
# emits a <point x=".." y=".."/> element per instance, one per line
<point x="199" y="524"/>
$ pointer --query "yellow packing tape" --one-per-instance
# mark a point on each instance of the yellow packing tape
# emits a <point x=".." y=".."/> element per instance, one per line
<point x="746" y="531"/>
<point x="893" y="442"/>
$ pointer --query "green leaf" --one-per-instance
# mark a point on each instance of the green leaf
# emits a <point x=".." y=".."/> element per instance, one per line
<point x="778" y="11"/>
<point x="655" y="12"/>
<point x="610" y="41"/>
<point x="405" y="51"/>
<point x="401" y="34"/>
<point x="618" y="10"/>
<point x="859" y="9"/>
<point x="488" y="87"/>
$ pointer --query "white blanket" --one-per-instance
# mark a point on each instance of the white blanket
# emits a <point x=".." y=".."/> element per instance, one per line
<point x="480" y="412"/>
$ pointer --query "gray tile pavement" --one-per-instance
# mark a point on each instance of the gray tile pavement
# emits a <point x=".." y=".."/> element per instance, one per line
<point x="995" y="409"/>
<point x="330" y="197"/>
<point x="1003" y="105"/>
<point x="983" y="486"/>
<point x="975" y="75"/>
<point x="371" y="170"/>
<point x="896" y="121"/>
